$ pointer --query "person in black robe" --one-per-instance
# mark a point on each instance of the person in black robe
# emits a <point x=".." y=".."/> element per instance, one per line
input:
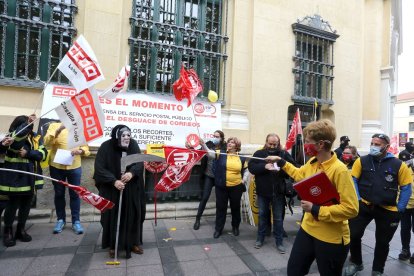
<point x="110" y="181"/>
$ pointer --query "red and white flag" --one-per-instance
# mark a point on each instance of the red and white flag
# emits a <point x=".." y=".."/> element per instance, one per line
<point x="80" y="65"/>
<point x="118" y="86"/>
<point x="394" y="145"/>
<point x="295" y="129"/>
<point x="83" y="117"/>
<point x="95" y="200"/>
<point x="180" y="161"/>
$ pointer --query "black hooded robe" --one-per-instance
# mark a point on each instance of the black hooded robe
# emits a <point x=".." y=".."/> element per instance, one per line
<point x="107" y="171"/>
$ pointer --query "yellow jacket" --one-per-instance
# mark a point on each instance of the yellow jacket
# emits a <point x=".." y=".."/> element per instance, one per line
<point x="331" y="225"/>
<point x="61" y="142"/>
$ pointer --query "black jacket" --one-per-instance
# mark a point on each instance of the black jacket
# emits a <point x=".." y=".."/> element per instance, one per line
<point x="268" y="182"/>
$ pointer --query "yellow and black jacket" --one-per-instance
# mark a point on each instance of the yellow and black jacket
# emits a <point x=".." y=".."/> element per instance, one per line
<point x="12" y="183"/>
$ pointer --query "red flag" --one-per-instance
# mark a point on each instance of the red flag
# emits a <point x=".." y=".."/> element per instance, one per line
<point x="295" y="129"/>
<point x="95" y="200"/>
<point x="394" y="145"/>
<point x="180" y="162"/>
<point x="187" y="86"/>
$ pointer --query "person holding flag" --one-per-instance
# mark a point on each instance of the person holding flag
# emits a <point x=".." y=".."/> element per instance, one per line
<point x="56" y="139"/>
<point x="23" y="152"/>
<point x="228" y="172"/>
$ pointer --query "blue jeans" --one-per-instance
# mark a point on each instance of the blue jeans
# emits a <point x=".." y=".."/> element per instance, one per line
<point x="208" y="186"/>
<point x="277" y="202"/>
<point x="72" y="177"/>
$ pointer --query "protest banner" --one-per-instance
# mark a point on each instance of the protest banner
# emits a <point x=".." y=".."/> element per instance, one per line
<point x="152" y="118"/>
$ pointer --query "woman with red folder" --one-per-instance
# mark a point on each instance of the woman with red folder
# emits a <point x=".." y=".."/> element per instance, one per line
<point x="324" y="232"/>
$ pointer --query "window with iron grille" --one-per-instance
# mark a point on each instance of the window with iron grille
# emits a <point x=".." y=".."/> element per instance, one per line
<point x="313" y="60"/>
<point x="167" y="33"/>
<point x="34" y="36"/>
<point x="411" y="126"/>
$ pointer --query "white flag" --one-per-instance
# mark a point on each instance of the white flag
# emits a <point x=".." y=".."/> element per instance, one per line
<point x="116" y="88"/>
<point x="83" y="117"/>
<point x="80" y="65"/>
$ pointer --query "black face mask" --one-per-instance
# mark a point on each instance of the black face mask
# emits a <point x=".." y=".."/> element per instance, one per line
<point x="271" y="151"/>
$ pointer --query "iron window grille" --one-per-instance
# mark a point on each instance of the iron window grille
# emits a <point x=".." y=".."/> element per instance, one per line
<point x="166" y="33"/>
<point x="34" y="36"/>
<point x="313" y="60"/>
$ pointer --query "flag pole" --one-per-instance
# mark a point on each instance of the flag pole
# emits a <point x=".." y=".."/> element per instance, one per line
<point x="46" y="84"/>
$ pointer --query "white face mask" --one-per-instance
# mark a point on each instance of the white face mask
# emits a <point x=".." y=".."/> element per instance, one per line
<point x="125" y="139"/>
<point x="375" y="151"/>
<point x="215" y="140"/>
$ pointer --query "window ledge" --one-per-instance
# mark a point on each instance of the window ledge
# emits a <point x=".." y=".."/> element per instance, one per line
<point x="310" y="100"/>
<point x="21" y="83"/>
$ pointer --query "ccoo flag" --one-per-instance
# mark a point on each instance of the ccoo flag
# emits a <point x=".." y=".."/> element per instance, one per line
<point x="116" y="88"/>
<point x="83" y="117"/>
<point x="180" y="162"/>
<point x="80" y="65"/>
<point x="295" y="129"/>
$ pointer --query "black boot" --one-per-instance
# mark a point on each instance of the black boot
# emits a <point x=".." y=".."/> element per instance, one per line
<point x="197" y="224"/>
<point x="8" y="239"/>
<point x="236" y="231"/>
<point x="21" y="234"/>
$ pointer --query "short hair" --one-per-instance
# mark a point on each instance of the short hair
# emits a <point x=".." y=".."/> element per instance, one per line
<point x="236" y="141"/>
<point x="353" y="149"/>
<point x="322" y="130"/>
<point x="382" y="136"/>
<point x="273" y="135"/>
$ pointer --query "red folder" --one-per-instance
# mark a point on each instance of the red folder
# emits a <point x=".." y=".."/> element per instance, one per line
<point x="317" y="189"/>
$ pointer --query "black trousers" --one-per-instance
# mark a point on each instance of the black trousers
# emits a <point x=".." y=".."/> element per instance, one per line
<point x="21" y="202"/>
<point x="208" y="186"/>
<point x="330" y="257"/>
<point x="223" y="195"/>
<point x="407" y="225"/>
<point x="386" y="223"/>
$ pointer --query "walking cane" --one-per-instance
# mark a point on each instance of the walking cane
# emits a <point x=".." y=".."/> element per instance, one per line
<point x="115" y="261"/>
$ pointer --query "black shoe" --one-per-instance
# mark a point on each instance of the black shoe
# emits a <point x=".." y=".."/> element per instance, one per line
<point x="217" y="234"/>
<point x="404" y="255"/>
<point x="21" y="234"/>
<point x="236" y="231"/>
<point x="196" y="224"/>
<point x="412" y="259"/>
<point x="8" y="239"/>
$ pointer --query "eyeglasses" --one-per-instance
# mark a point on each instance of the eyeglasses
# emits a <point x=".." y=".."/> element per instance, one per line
<point x="382" y="136"/>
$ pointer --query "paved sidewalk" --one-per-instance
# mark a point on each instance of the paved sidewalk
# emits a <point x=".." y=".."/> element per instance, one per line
<point x="171" y="248"/>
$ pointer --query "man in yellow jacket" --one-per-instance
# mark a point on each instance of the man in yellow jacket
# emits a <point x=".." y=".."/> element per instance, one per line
<point x="57" y="138"/>
<point x="384" y="185"/>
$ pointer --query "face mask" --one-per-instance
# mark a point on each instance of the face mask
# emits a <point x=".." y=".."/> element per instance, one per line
<point x="310" y="150"/>
<point x="375" y="151"/>
<point x="125" y="139"/>
<point x="215" y="140"/>
<point x="347" y="157"/>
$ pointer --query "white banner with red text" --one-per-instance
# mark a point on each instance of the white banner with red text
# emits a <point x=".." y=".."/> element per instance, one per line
<point x="153" y="119"/>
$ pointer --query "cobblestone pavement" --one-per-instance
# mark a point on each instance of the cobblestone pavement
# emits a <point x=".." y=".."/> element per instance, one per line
<point x="171" y="247"/>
